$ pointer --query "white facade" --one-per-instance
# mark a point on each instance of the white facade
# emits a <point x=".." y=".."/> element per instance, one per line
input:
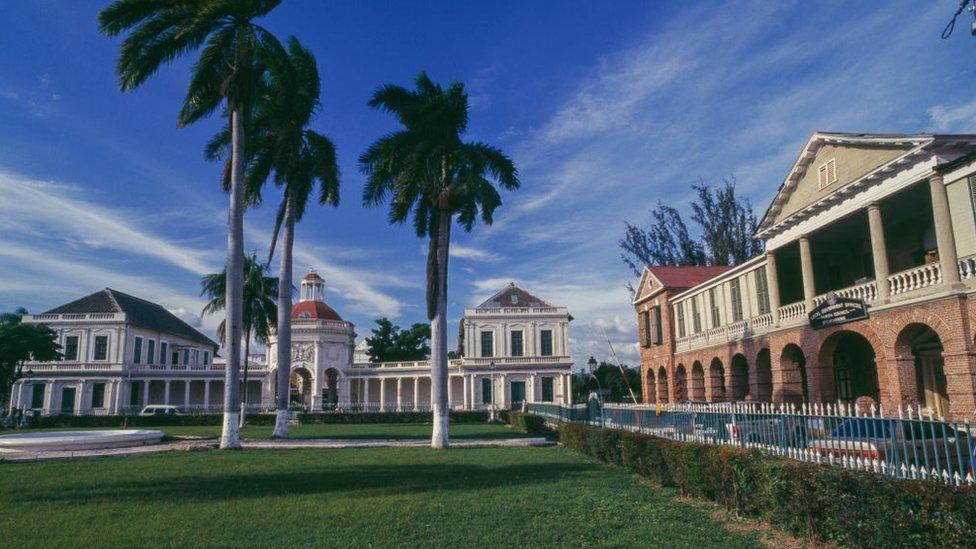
<point x="105" y="374"/>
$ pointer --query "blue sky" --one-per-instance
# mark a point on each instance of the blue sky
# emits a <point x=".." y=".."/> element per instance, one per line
<point x="605" y="107"/>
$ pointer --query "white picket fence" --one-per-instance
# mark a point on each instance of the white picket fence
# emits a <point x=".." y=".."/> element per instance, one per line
<point x="910" y="444"/>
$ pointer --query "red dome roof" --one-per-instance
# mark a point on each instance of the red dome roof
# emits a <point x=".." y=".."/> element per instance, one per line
<point x="313" y="310"/>
<point x="312" y="275"/>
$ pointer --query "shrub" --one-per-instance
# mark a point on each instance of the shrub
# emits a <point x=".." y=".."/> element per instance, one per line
<point x="390" y="417"/>
<point x="527" y="423"/>
<point x="825" y="503"/>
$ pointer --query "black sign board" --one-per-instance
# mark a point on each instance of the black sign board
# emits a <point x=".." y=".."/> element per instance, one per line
<point x="837" y="310"/>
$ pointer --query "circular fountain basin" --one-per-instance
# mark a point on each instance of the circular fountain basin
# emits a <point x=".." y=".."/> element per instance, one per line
<point x="59" y="441"/>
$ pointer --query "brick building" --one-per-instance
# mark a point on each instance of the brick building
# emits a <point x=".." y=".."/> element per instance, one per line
<point x="866" y="288"/>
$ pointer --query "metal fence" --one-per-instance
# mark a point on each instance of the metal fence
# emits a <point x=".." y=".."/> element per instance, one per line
<point x="911" y="445"/>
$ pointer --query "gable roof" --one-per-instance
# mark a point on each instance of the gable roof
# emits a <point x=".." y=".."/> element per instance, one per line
<point x="910" y="143"/>
<point x="676" y="278"/>
<point x="514" y="296"/>
<point x="138" y="312"/>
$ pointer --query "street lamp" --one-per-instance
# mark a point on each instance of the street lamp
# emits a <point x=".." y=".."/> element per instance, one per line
<point x="592" y="364"/>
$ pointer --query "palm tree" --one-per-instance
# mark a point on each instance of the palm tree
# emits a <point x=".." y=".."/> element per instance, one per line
<point x="425" y="168"/>
<point x="260" y="310"/>
<point x="225" y="72"/>
<point x="298" y="159"/>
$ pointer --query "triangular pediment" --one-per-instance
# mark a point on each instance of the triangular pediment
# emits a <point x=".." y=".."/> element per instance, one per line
<point x="831" y="161"/>
<point x="647" y="286"/>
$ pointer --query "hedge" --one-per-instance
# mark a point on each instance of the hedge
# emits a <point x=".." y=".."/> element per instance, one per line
<point x="528" y="423"/>
<point x="66" y="421"/>
<point x="390" y="417"/>
<point x="850" y="508"/>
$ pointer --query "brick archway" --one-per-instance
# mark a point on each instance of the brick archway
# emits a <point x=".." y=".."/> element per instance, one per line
<point x="650" y="387"/>
<point x="697" y="382"/>
<point x="763" y="386"/>
<point x="715" y="390"/>
<point x="680" y="383"/>
<point x="662" y="385"/>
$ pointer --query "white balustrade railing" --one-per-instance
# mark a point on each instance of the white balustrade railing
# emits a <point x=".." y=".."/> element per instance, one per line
<point x="967" y="268"/>
<point x="915" y="279"/>
<point x="793" y="310"/>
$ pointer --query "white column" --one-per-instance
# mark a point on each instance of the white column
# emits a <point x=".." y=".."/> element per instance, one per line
<point x="503" y="393"/>
<point x="382" y="394"/>
<point x="186" y="392"/>
<point x="450" y="391"/>
<point x="145" y="393"/>
<point x="474" y="393"/>
<point x="366" y="394"/>
<point x="416" y="393"/>
<point x="944" y="238"/>
<point x="166" y="395"/>
<point x="206" y="394"/>
<point x="879" y="252"/>
<point x="399" y="394"/>
<point x="467" y="392"/>
<point x="806" y="266"/>
<point x="772" y="281"/>
<point x="568" y="389"/>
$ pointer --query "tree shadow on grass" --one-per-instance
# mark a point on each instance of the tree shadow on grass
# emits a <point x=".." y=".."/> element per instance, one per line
<point x="350" y="481"/>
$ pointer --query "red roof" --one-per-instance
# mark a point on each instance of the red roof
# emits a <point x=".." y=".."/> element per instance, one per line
<point x="312" y="275"/>
<point x="313" y="310"/>
<point x="682" y="278"/>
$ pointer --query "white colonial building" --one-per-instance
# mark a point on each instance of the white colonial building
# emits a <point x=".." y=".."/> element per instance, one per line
<point x="123" y="353"/>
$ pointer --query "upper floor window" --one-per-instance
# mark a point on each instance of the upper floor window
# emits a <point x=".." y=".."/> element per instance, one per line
<point x="713" y="301"/>
<point x="735" y="292"/>
<point x="186" y="356"/>
<point x="695" y="315"/>
<point x="163" y="351"/>
<point x="195" y="357"/>
<point x="71" y="348"/>
<point x="827" y="173"/>
<point x="487" y="344"/>
<point x="545" y="342"/>
<point x="101" y="348"/>
<point x="681" y="319"/>
<point x="137" y="351"/>
<point x="762" y="291"/>
<point x="151" y="351"/>
<point x="645" y="328"/>
<point x="517" y="348"/>
<point x="206" y="358"/>
<point x="174" y="358"/>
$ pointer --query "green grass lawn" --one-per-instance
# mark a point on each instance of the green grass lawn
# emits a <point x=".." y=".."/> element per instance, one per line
<point x="373" y="497"/>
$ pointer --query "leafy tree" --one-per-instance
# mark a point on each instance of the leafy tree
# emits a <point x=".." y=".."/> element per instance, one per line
<point x="425" y="169"/>
<point x="610" y="380"/>
<point x="260" y="307"/>
<point x="161" y="31"/>
<point x="20" y="343"/>
<point x="391" y="344"/>
<point x="725" y="226"/>
<point x="298" y="159"/>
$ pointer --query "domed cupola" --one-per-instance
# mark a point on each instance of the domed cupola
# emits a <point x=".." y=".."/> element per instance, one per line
<point x="311" y="303"/>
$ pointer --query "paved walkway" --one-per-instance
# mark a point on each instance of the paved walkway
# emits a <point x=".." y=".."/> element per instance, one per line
<point x="203" y="444"/>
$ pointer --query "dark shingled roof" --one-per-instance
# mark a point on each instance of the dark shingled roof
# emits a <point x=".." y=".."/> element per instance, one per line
<point x="138" y="312"/>
<point x="513" y="296"/>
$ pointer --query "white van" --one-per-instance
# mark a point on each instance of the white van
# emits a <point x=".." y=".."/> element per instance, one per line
<point x="161" y="410"/>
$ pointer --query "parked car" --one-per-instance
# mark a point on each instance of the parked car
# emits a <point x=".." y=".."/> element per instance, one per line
<point x="774" y="430"/>
<point x="897" y="442"/>
<point x="161" y="410"/>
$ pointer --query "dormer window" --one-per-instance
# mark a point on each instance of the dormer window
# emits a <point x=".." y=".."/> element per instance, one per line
<point x="514" y="299"/>
<point x="827" y="173"/>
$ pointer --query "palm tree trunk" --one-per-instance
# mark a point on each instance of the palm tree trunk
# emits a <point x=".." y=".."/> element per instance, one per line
<point x="284" y="321"/>
<point x="247" y="353"/>
<point x="438" y="336"/>
<point x="230" y="435"/>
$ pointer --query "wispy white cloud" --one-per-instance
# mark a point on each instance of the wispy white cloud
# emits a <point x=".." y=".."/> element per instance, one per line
<point x="957" y="117"/>
<point x="58" y="211"/>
